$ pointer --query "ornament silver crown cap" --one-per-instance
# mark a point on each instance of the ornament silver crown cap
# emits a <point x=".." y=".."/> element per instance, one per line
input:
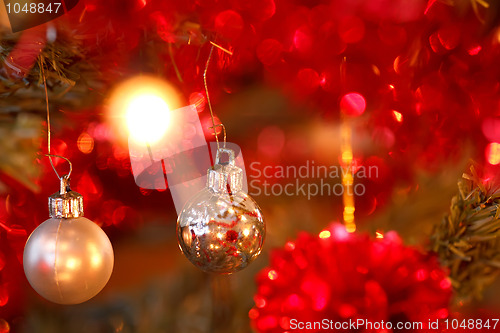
<point x="225" y="176"/>
<point x="65" y="203"/>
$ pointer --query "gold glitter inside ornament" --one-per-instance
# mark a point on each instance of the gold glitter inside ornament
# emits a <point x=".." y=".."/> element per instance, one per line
<point x="221" y="229"/>
<point x="68" y="259"/>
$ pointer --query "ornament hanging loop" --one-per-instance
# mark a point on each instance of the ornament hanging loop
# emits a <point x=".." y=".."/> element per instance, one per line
<point x="49" y="155"/>
<point x="213" y="127"/>
<point x="57" y="173"/>
<point x="230" y="154"/>
<point x="64" y="185"/>
<point x="223" y="129"/>
<point x="65" y="203"/>
<point x="225" y="177"/>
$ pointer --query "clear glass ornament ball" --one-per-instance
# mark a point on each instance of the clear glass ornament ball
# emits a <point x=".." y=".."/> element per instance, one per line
<point x="68" y="260"/>
<point x="220" y="232"/>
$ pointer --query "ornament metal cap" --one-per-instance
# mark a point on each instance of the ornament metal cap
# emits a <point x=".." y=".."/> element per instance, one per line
<point x="225" y="176"/>
<point x="66" y="203"/>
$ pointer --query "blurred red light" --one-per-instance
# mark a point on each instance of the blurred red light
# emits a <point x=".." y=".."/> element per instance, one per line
<point x="285" y="323"/>
<point x="475" y="50"/>
<point x="421" y="275"/>
<point x="301" y="40"/>
<point x="85" y="143"/>
<point x="269" y="51"/>
<point x="443" y="313"/>
<point x="4" y="295"/>
<point x="253" y="314"/>
<point x="267" y="323"/>
<point x="351" y="29"/>
<point x="308" y="81"/>
<point x="353" y="104"/>
<point x="198" y="100"/>
<point x="229" y="24"/>
<point x="260" y="302"/>
<point x="4" y="326"/>
<point x="2" y="261"/>
<point x="445" y="284"/>
<point x="271" y="141"/>
<point x="294" y="301"/>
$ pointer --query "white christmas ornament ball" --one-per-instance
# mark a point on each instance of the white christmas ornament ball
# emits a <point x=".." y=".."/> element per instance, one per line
<point x="68" y="260"/>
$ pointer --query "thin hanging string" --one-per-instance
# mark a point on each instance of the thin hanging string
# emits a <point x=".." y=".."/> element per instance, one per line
<point x="49" y="155"/>
<point x="214" y="126"/>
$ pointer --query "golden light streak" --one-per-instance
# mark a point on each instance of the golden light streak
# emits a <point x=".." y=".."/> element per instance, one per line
<point x="347" y="179"/>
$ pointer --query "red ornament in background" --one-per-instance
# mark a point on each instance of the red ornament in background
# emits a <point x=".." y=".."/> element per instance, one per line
<point x="342" y="276"/>
<point x="352" y="104"/>
<point x="269" y="51"/>
<point x="229" y="24"/>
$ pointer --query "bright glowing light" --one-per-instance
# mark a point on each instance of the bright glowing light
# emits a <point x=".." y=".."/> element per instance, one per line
<point x="398" y="116"/>
<point x="347" y="157"/>
<point x="148" y="118"/>
<point x="348" y="179"/>
<point x="246" y="232"/>
<point x="379" y="235"/>
<point x="492" y="153"/>
<point x="350" y="228"/>
<point x="272" y="275"/>
<point x="349" y="210"/>
<point x="142" y="105"/>
<point x="325" y="234"/>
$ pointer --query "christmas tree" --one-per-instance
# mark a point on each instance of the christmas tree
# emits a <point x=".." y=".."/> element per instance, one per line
<point x="334" y="133"/>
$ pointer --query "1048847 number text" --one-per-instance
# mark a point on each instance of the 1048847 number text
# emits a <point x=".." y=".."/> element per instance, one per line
<point x="33" y="7"/>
